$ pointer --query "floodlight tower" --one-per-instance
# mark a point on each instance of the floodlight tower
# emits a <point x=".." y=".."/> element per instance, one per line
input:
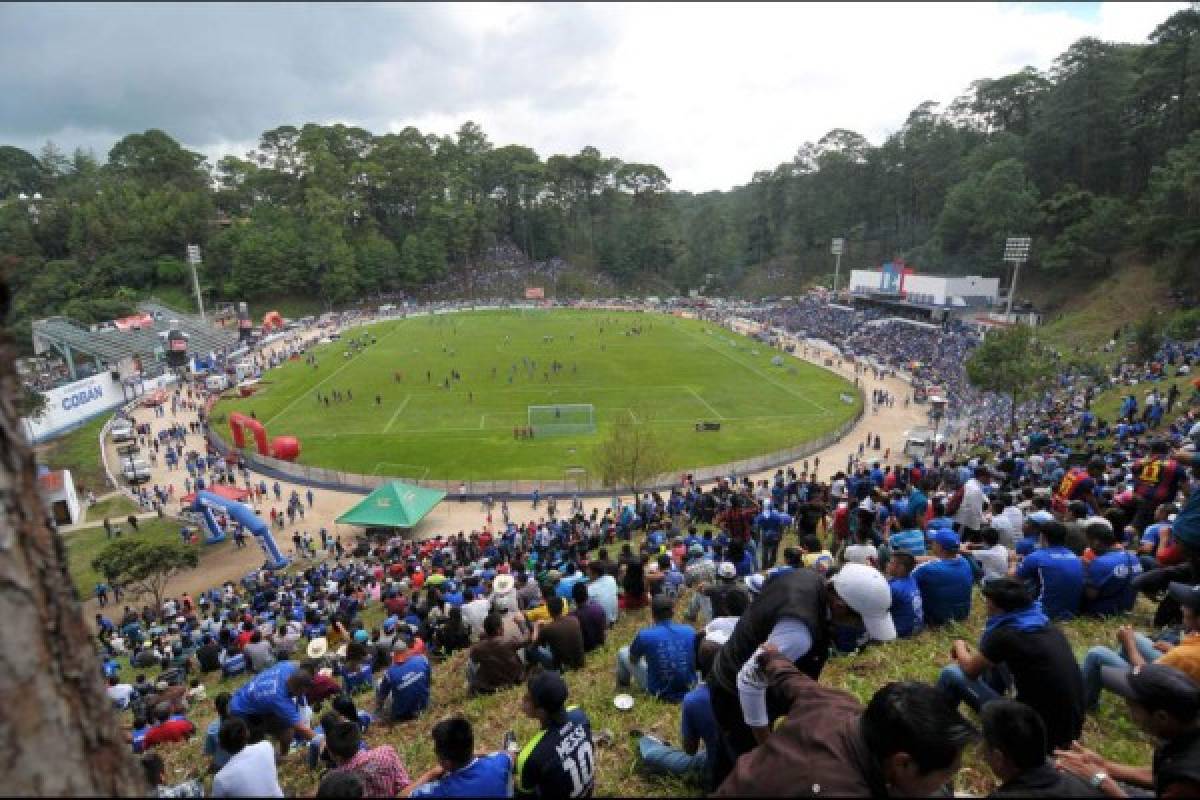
<point x="1016" y="252"/>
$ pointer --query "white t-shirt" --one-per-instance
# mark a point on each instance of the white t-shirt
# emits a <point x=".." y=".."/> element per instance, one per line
<point x="120" y="694"/>
<point x="249" y="773"/>
<point x="994" y="561"/>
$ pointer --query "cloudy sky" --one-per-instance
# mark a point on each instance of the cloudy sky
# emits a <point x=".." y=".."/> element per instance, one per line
<point x="708" y="92"/>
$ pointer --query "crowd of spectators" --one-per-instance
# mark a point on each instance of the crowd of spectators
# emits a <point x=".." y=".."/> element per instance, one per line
<point x="752" y="586"/>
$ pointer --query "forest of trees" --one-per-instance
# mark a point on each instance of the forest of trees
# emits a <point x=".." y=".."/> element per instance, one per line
<point x="1098" y="156"/>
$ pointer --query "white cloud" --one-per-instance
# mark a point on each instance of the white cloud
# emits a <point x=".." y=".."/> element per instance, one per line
<point x="709" y="92"/>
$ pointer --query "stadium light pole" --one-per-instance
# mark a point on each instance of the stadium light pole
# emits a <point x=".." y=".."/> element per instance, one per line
<point x="1016" y="252"/>
<point x="193" y="258"/>
<point x="836" y="247"/>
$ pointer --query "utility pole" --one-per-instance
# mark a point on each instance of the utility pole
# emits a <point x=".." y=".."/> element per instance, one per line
<point x="836" y="248"/>
<point x="193" y="258"/>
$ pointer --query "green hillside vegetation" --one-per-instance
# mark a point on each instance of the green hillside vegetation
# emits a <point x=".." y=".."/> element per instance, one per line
<point x="672" y="374"/>
<point x="1095" y="157"/>
<point x="85" y="544"/>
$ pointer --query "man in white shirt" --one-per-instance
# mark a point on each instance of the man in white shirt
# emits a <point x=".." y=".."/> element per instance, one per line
<point x="969" y="516"/>
<point x="119" y="693"/>
<point x="475" y="612"/>
<point x="250" y="771"/>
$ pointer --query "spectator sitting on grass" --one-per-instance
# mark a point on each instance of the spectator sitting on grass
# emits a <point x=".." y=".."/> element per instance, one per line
<point x="459" y="772"/>
<point x="661" y="658"/>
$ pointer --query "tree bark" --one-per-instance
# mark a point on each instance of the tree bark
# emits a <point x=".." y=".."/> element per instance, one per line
<point x="58" y="733"/>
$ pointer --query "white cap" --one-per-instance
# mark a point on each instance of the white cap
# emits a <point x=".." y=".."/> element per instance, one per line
<point x="727" y="570"/>
<point x="866" y="591"/>
<point x="755" y="583"/>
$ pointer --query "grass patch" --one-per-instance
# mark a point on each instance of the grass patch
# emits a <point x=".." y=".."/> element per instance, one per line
<point x="1090" y="320"/>
<point x="685" y="370"/>
<point x="79" y="452"/>
<point x="85" y="544"/>
<point x="117" y="505"/>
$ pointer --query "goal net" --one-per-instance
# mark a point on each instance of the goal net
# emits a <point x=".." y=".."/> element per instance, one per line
<point x="562" y="419"/>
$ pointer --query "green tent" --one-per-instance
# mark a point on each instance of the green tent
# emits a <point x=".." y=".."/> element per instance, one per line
<point x="393" y="505"/>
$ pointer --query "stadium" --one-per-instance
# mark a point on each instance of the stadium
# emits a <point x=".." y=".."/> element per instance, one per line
<point x="340" y="462"/>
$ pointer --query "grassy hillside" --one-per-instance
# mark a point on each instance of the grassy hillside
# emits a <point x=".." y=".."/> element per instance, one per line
<point x="79" y="452"/>
<point x="1110" y="731"/>
<point x="1085" y="320"/>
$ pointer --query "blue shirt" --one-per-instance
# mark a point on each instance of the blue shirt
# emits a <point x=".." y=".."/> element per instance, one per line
<point x="1060" y="574"/>
<point x="408" y="684"/>
<point x="908" y="612"/>
<point x="1112" y="574"/>
<point x="267" y="695"/>
<point x="945" y="586"/>
<point x="485" y="776"/>
<point x="910" y="541"/>
<point x="670" y="653"/>
<point x="698" y="722"/>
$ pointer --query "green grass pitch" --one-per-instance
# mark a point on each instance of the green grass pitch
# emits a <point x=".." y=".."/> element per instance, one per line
<point x="675" y="372"/>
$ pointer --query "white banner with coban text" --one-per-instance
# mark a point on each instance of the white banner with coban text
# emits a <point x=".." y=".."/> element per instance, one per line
<point x="69" y="405"/>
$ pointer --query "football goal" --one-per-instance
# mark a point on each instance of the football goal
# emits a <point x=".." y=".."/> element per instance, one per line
<point x="557" y="420"/>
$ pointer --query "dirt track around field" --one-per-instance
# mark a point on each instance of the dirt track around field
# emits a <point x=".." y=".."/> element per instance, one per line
<point x="224" y="562"/>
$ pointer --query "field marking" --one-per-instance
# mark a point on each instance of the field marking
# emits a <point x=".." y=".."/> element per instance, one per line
<point x="328" y="377"/>
<point x="388" y="427"/>
<point x="704" y="402"/>
<point x="655" y="421"/>
<point x="766" y="377"/>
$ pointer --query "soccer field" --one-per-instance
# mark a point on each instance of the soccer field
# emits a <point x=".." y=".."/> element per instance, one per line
<point x="672" y="374"/>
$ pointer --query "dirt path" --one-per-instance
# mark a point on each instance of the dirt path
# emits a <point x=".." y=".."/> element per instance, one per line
<point x="225" y="562"/>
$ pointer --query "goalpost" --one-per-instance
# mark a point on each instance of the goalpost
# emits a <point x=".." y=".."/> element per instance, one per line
<point x="562" y="419"/>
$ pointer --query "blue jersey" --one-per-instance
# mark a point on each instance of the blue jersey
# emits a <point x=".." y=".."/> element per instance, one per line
<point x="1112" y="575"/>
<point x="670" y="652"/>
<point x="484" y="776"/>
<point x="267" y="695"/>
<point x="1059" y="572"/>
<point x="945" y="586"/>
<point x="408" y="685"/>
<point x="908" y="612"/>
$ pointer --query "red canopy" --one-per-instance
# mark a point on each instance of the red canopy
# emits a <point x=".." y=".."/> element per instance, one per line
<point x="221" y="490"/>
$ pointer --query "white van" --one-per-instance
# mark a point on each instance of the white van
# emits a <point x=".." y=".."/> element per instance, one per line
<point x="216" y="383"/>
<point x="135" y="470"/>
<point x="121" y="432"/>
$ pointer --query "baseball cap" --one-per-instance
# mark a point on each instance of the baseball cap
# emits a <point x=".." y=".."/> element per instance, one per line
<point x="503" y="584"/>
<point x="548" y="691"/>
<point x="1155" y="686"/>
<point x="361" y="636"/>
<point x="1040" y="517"/>
<point x="755" y="583"/>
<point x="1187" y="595"/>
<point x="696" y="550"/>
<point x="947" y="539"/>
<point x="389" y="624"/>
<point x="727" y="570"/>
<point x="867" y="592"/>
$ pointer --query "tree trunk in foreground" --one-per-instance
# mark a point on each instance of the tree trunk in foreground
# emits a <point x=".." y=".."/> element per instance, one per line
<point x="58" y="733"/>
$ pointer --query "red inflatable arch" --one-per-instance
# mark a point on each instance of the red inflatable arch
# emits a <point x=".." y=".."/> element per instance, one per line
<point x="285" y="448"/>
<point x="237" y="425"/>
